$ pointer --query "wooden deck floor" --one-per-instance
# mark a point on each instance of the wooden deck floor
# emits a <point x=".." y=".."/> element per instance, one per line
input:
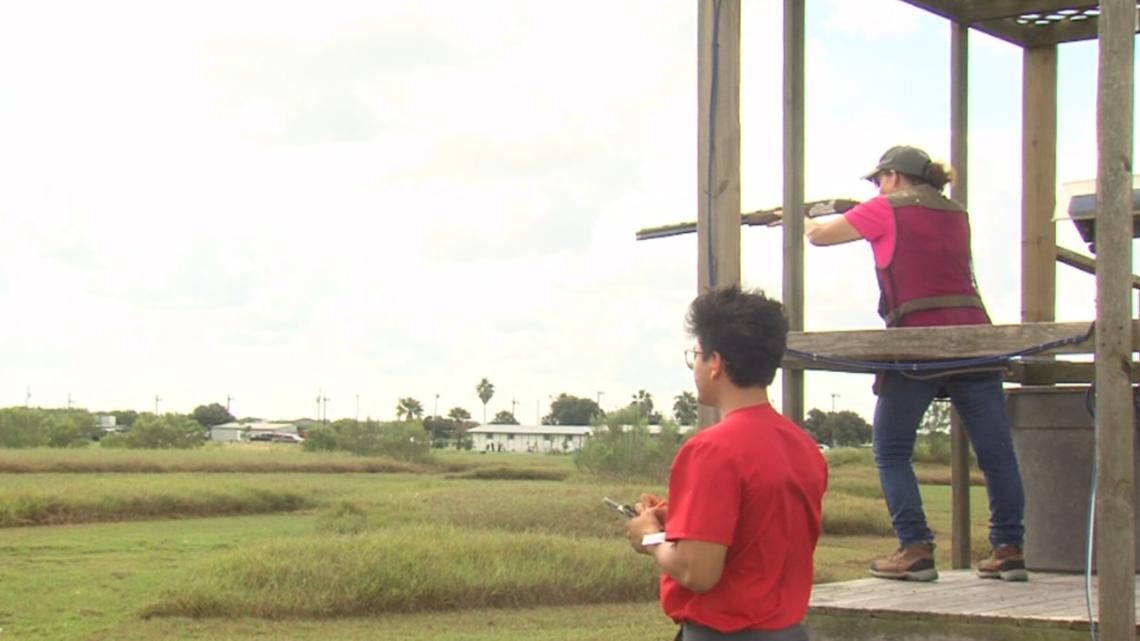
<point x="957" y="606"/>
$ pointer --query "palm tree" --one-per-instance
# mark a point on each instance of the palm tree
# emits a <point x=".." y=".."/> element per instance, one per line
<point x="485" y="390"/>
<point x="408" y="409"/>
<point x="643" y="400"/>
<point x="685" y="408"/>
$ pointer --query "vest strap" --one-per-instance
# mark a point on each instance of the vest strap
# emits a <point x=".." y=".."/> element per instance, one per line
<point x="931" y="302"/>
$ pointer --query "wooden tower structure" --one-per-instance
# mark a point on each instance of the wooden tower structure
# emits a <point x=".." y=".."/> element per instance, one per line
<point x="1038" y="27"/>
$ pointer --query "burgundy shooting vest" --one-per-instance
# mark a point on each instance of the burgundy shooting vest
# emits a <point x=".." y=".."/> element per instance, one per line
<point x="931" y="270"/>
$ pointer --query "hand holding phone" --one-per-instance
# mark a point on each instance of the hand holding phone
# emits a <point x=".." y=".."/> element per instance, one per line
<point x="625" y="510"/>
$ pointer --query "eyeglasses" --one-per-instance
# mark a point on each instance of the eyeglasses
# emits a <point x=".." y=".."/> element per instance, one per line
<point x="691" y="357"/>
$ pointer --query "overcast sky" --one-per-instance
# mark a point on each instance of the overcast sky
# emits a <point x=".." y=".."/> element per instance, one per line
<point x="380" y="199"/>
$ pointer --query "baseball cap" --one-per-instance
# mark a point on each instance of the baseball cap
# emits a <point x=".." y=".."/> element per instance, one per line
<point x="903" y="159"/>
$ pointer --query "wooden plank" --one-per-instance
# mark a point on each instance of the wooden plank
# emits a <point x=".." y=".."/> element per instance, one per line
<point x="1060" y="372"/>
<point x="1115" y="524"/>
<point x="718" y="150"/>
<point x="1007" y="30"/>
<point x="795" y="37"/>
<point x="950" y="9"/>
<point x="1085" y="263"/>
<point x="984" y="10"/>
<point x="1039" y="179"/>
<point x="959" y="191"/>
<point x="940" y="343"/>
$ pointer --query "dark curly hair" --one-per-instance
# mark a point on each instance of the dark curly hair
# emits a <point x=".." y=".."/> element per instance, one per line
<point x="747" y="328"/>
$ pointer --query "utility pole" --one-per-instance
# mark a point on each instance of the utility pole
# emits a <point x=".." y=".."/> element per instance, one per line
<point x="320" y="395"/>
<point x="228" y="399"/>
<point x="28" y="397"/>
<point x="833" y="397"/>
<point x="156" y="400"/>
<point x="435" y="411"/>
<point x="325" y="400"/>
<point x="514" y="403"/>
<point x="358" y="408"/>
<point x="600" y="399"/>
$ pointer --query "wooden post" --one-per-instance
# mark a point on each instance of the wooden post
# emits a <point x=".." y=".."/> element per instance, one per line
<point x="718" y="150"/>
<point x="959" y="148"/>
<point x="1039" y="184"/>
<point x="793" y="285"/>
<point x="1115" y="525"/>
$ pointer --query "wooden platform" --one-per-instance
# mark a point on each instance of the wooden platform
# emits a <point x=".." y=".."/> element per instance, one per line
<point x="957" y="606"/>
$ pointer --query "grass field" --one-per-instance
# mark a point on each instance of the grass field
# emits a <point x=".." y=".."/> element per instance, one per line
<point x="453" y="550"/>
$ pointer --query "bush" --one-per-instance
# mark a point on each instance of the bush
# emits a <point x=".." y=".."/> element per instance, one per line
<point x="932" y="447"/>
<point x="621" y="447"/>
<point x="171" y="431"/>
<point x="404" y="440"/>
<point x="29" y="427"/>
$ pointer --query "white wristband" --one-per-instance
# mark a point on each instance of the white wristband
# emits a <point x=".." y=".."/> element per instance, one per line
<point x="655" y="538"/>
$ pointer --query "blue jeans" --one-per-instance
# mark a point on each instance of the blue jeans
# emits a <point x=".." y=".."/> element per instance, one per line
<point x="980" y="402"/>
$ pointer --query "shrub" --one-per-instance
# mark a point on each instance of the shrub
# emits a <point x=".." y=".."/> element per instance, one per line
<point x="171" y="431"/>
<point x="621" y="447"/>
<point x="29" y="427"/>
<point x="403" y="440"/>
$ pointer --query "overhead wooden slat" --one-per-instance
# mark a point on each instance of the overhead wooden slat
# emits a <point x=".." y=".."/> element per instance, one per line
<point x="984" y="10"/>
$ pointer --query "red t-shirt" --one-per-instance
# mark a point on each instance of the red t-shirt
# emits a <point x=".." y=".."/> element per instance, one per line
<point x="753" y="482"/>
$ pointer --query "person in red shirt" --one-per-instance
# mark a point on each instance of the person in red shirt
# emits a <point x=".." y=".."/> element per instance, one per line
<point x="736" y="539"/>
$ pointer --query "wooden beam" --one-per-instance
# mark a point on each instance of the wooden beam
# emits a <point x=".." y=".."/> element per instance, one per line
<point x="1115" y="414"/>
<point x="907" y="344"/>
<point x="1061" y="372"/>
<point x="792" y="380"/>
<point x="959" y="191"/>
<point x="983" y="10"/>
<point x="1067" y="31"/>
<point x="718" y="149"/>
<point x="959" y="493"/>
<point x="1085" y="263"/>
<point x="1039" y="179"/>
<point x="950" y="9"/>
<point x="1007" y="30"/>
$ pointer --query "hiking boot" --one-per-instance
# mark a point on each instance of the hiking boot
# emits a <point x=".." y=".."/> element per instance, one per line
<point x="1006" y="562"/>
<point x="915" y="562"/>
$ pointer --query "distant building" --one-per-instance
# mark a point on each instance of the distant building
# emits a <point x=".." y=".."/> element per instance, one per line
<point x="528" y="438"/>
<point x="238" y="431"/>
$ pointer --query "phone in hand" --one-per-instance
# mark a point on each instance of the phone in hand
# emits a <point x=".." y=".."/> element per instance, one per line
<point x="625" y="510"/>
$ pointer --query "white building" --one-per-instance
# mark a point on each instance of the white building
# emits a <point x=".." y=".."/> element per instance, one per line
<point x="528" y="438"/>
<point x="234" y="432"/>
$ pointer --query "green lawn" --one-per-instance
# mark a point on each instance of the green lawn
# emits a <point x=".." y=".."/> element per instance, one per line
<point x="96" y="580"/>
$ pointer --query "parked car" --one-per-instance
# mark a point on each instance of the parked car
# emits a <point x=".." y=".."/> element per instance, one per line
<point x="261" y="436"/>
<point x="285" y="437"/>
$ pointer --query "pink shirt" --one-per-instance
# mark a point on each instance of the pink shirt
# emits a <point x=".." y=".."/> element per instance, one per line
<point x="875" y="222"/>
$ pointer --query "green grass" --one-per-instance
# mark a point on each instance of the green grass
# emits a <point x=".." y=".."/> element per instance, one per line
<point x="411" y="569"/>
<point x="71" y="499"/>
<point x="215" y="458"/>
<point x="512" y="555"/>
